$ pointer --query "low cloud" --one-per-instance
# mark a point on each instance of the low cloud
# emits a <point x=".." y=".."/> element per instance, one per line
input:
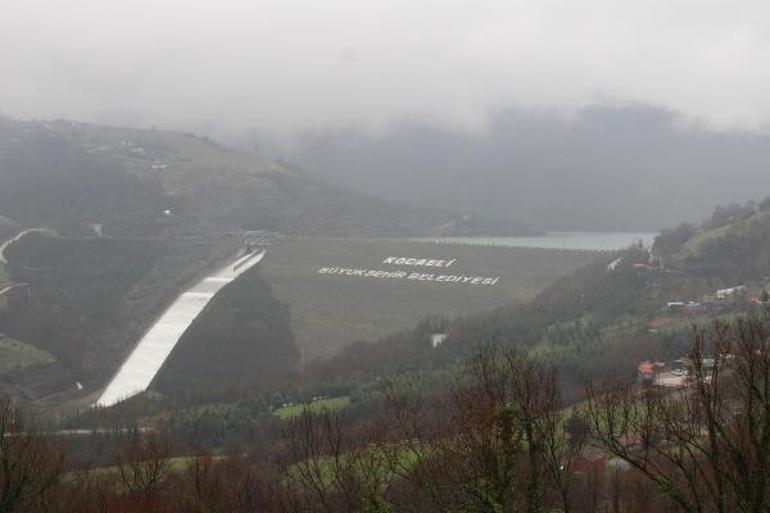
<point x="284" y="67"/>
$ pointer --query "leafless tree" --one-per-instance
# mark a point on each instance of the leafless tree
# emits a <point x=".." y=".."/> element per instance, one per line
<point x="143" y="465"/>
<point x="706" y="447"/>
<point x="227" y="484"/>
<point x="86" y="491"/>
<point x="330" y="467"/>
<point x="30" y="465"/>
<point x="497" y="442"/>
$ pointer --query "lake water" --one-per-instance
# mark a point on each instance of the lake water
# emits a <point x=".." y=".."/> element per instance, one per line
<point x="600" y="241"/>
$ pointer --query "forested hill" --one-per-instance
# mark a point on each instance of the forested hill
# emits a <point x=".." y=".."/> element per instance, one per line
<point x="146" y="182"/>
<point x="732" y="246"/>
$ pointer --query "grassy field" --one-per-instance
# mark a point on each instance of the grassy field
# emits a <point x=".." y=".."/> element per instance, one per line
<point x="15" y="354"/>
<point x="330" y="311"/>
<point x="294" y="410"/>
<point x="694" y="246"/>
<point x="173" y="465"/>
<point x="675" y="324"/>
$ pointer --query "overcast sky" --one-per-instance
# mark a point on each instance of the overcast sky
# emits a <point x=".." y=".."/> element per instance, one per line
<point x="284" y="66"/>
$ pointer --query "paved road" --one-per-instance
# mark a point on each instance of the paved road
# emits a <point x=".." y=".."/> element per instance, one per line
<point x="138" y="371"/>
<point x="5" y="245"/>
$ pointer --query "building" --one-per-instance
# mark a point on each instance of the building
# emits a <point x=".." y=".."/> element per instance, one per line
<point x="731" y="292"/>
<point x="648" y="371"/>
<point x="436" y="339"/>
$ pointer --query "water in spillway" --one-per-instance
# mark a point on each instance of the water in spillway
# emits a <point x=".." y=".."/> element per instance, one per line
<point x="140" y="368"/>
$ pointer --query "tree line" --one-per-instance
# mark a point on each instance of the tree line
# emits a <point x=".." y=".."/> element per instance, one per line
<point x="500" y="439"/>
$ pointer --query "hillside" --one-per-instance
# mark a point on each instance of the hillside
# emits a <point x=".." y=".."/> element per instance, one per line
<point x="241" y="344"/>
<point x="149" y="182"/>
<point x="733" y="246"/>
<point x="608" y="167"/>
<point x="123" y="219"/>
<point x="86" y="300"/>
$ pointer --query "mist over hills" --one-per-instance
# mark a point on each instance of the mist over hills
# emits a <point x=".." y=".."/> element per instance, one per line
<point x="385" y="256"/>
<point x="609" y="168"/>
<point x="151" y="182"/>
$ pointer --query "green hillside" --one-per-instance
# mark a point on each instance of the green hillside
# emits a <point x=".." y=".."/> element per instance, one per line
<point x="150" y="182"/>
<point x="732" y="246"/>
<point x="87" y="300"/>
<point x="17" y="355"/>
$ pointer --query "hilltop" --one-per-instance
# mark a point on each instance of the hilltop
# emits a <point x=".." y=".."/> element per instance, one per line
<point x="129" y="181"/>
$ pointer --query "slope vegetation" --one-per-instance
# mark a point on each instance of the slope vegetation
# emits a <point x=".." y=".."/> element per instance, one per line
<point x="132" y="181"/>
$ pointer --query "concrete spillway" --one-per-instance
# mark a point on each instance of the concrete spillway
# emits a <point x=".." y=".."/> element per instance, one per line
<point x="140" y="368"/>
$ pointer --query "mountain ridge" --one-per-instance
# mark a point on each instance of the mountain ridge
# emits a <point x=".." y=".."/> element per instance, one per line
<point x="65" y="171"/>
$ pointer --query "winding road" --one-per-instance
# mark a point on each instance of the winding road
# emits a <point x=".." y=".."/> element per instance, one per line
<point x="5" y="245"/>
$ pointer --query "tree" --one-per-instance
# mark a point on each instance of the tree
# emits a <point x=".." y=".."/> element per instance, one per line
<point x="30" y="465"/>
<point x="330" y="468"/>
<point x="142" y="466"/>
<point x="227" y="484"/>
<point x="706" y="447"/>
<point x="671" y="240"/>
<point x="496" y="443"/>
